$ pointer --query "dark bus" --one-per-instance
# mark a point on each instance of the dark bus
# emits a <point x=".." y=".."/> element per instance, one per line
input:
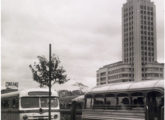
<point x="142" y="100"/>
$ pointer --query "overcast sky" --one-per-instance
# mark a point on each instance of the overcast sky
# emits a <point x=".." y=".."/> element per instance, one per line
<point x="85" y="34"/>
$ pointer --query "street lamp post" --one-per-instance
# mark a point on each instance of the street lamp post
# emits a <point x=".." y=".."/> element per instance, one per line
<point x="50" y="81"/>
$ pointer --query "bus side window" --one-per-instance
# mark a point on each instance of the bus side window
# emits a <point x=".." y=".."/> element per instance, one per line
<point x="111" y="101"/>
<point x="88" y="102"/>
<point x="138" y="100"/>
<point x="99" y="100"/>
<point x="123" y="101"/>
<point x="2" y="103"/>
<point x="14" y="103"/>
<point x="5" y="104"/>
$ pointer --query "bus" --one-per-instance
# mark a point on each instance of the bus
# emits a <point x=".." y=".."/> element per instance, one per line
<point x="143" y="100"/>
<point x="31" y="104"/>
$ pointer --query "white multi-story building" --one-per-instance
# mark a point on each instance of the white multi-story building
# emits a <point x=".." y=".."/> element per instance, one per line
<point x="139" y="48"/>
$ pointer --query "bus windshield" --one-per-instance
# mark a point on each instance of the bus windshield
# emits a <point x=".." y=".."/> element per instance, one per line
<point x="45" y="102"/>
<point x="37" y="102"/>
<point x="30" y="102"/>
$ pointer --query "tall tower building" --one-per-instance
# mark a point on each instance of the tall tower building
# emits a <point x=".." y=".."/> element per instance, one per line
<point x="139" y="34"/>
<point x="139" y="48"/>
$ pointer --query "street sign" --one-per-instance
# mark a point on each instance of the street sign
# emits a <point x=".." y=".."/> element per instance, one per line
<point x="11" y="85"/>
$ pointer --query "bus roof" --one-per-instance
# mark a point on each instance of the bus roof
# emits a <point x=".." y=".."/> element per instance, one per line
<point x="128" y="86"/>
<point x="25" y="92"/>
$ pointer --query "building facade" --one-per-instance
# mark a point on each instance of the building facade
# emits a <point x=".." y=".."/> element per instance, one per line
<point x="139" y="48"/>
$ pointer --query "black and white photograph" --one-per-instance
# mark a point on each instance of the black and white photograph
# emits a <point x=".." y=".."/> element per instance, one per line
<point x="82" y="59"/>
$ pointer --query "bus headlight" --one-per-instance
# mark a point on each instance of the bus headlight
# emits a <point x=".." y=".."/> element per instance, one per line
<point x="25" y="117"/>
<point x="55" y="116"/>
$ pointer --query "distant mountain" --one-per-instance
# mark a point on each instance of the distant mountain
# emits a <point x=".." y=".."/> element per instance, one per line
<point x="81" y="86"/>
<point x="71" y="85"/>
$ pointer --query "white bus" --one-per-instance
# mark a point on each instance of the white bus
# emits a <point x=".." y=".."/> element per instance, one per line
<point x="142" y="100"/>
<point x="31" y="104"/>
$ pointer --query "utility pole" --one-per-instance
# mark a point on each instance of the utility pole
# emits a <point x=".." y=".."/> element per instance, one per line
<point x="50" y="67"/>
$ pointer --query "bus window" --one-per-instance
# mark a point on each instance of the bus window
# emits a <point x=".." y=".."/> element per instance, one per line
<point x="138" y="100"/>
<point x="54" y="102"/>
<point x="111" y="100"/>
<point x="98" y="101"/>
<point x="15" y="103"/>
<point x="88" y="102"/>
<point x="123" y="100"/>
<point x="45" y="102"/>
<point x="30" y="102"/>
<point x="5" y="103"/>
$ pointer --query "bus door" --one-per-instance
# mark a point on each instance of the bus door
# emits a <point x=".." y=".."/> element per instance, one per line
<point x="155" y="103"/>
<point x="88" y="102"/>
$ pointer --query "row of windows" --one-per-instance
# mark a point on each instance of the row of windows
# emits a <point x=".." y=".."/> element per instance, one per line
<point x="130" y="34"/>
<point x="128" y="13"/>
<point x="103" y="73"/>
<point x="136" y="100"/>
<point x="103" y="79"/>
<point x="120" y="76"/>
<point x="126" y="39"/>
<point x="145" y="48"/>
<point x="128" y="59"/>
<point x="126" y="44"/>
<point x="128" y="19"/>
<point x="147" y="33"/>
<point x="144" y="59"/>
<point x="120" y="70"/>
<point x="152" y="69"/>
<point x="147" y="43"/>
<point x="128" y="9"/>
<point x="147" y="38"/>
<point x="152" y="75"/>
<point x="145" y="28"/>
<point x="130" y="54"/>
<point x="128" y="48"/>
<point x="143" y="7"/>
<point x="145" y="17"/>
<point x="124" y="80"/>
<point x="128" y="24"/>
<point x="146" y="22"/>
<point x="116" y="71"/>
<point x="149" y="53"/>
<point x="102" y="83"/>
<point x="146" y="12"/>
<point x="128" y="31"/>
<point x="146" y="62"/>
<point x="128" y="28"/>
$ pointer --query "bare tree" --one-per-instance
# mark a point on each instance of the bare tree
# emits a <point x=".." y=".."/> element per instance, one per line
<point x="40" y="71"/>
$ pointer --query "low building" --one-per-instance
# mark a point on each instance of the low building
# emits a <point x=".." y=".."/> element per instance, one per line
<point x="123" y="72"/>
